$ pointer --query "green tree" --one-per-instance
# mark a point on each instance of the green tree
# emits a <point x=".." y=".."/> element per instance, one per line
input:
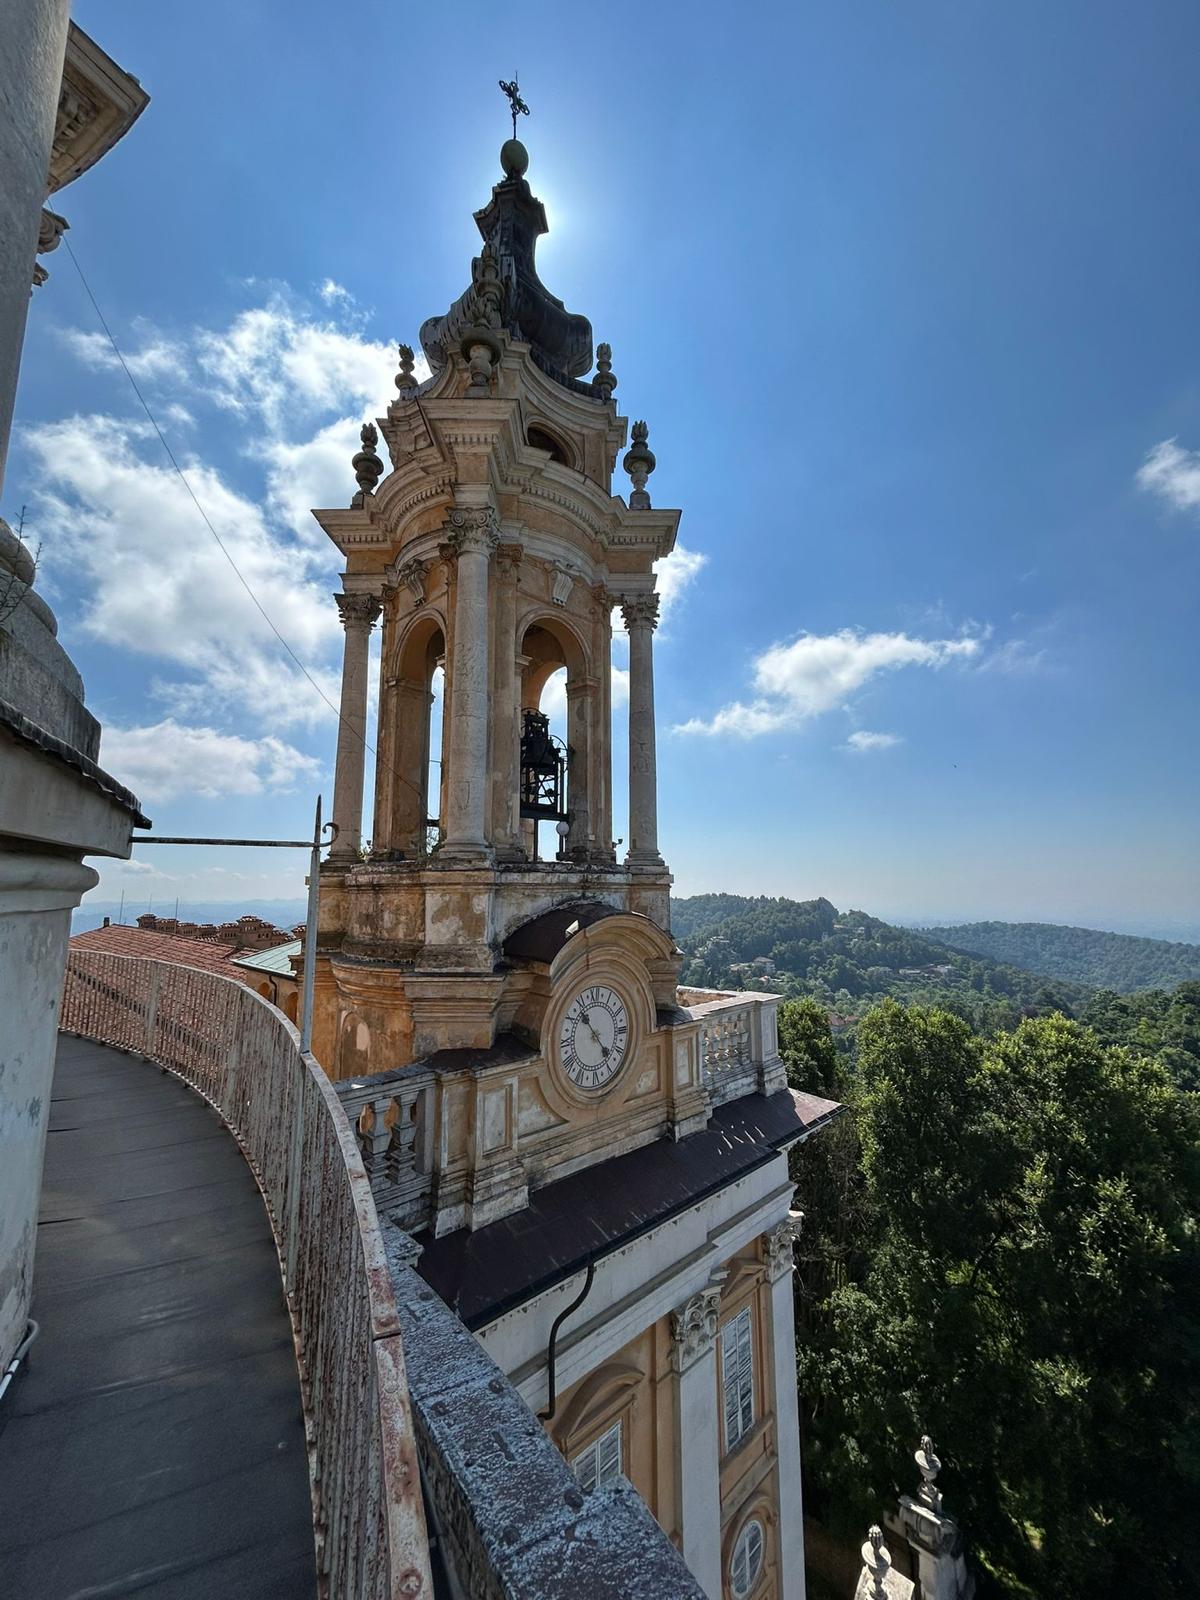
<point x="1024" y="1282"/>
<point x="807" y="1047"/>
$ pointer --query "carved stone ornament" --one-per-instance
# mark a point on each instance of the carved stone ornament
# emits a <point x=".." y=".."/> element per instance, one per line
<point x="639" y="463"/>
<point x="694" y="1325"/>
<point x="877" y="1562"/>
<point x="472" y="529"/>
<point x="413" y="574"/>
<point x="927" y="1461"/>
<point x="368" y="468"/>
<point x="564" y="582"/>
<point x="50" y="231"/>
<point x="605" y="381"/>
<point x="508" y="560"/>
<point x="406" y="378"/>
<point x="640" y="610"/>
<point x="780" y="1244"/>
<point x="358" y="610"/>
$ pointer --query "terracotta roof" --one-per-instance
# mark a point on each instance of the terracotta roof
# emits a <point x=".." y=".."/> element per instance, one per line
<point x="211" y="954"/>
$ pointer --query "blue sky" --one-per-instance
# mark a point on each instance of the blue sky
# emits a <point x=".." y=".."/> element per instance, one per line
<point x="908" y="297"/>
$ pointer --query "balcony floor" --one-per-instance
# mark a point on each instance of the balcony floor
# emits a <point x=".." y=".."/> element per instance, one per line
<point x="152" y="1443"/>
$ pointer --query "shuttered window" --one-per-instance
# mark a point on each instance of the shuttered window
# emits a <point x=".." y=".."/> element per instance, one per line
<point x="737" y="1377"/>
<point x="747" y="1564"/>
<point x="600" y="1463"/>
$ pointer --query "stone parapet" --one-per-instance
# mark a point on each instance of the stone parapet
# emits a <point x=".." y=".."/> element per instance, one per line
<point x="512" y="1519"/>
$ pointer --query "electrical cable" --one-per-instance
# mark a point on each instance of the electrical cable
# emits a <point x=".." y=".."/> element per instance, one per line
<point x="220" y="543"/>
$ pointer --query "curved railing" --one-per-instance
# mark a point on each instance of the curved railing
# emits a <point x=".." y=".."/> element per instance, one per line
<point x="244" y="1057"/>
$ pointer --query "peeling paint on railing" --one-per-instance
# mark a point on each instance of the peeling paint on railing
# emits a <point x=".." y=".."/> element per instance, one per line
<point x="244" y="1057"/>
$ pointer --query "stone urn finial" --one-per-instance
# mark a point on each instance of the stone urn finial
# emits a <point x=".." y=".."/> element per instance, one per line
<point x="929" y="1465"/>
<point x="877" y="1560"/>
<point x="368" y="468"/>
<point x="604" y="382"/>
<point x="406" y="378"/>
<point x="639" y="463"/>
<point x="480" y="343"/>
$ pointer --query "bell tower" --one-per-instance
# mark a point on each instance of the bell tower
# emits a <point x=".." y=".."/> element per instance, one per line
<point x="493" y="553"/>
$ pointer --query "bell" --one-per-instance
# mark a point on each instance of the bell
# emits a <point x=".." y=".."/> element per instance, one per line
<point x="543" y="771"/>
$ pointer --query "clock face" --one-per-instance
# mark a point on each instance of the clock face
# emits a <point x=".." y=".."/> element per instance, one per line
<point x="593" y="1037"/>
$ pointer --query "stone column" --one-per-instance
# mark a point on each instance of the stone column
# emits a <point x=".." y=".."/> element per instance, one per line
<point x="601" y="788"/>
<point x="358" y="612"/>
<point x="473" y="538"/>
<point x="580" y="694"/>
<point x="778" y="1247"/>
<point x="694" y="1356"/>
<point x="641" y="618"/>
<point x="507" y="708"/>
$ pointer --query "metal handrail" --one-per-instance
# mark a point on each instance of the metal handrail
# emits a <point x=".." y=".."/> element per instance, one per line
<point x="244" y="1058"/>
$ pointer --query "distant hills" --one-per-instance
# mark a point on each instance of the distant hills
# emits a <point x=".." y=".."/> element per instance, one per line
<point x="849" y="960"/>
<point x="1118" y="961"/>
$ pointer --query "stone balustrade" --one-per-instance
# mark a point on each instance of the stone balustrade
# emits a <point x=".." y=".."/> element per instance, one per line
<point x="739" y="1030"/>
<point x="392" y="1114"/>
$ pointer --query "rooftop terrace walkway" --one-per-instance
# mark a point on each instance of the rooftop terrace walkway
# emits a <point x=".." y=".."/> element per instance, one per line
<point x="154" y="1442"/>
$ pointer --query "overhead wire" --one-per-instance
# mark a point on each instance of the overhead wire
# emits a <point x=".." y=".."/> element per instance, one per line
<point x="170" y="454"/>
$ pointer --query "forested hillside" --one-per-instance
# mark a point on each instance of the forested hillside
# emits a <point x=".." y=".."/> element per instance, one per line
<point x="1117" y="961"/>
<point x="849" y="960"/>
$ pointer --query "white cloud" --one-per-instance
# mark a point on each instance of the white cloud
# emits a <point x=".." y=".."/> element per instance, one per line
<point x="1173" y="474"/>
<point x="1013" y="656"/>
<point x="676" y="573"/>
<point x="169" y="759"/>
<point x="312" y="474"/>
<point x="861" y="740"/>
<point x="157" y="358"/>
<point x="275" y="361"/>
<point x="153" y="580"/>
<point x="817" y="673"/>
<point x="332" y="291"/>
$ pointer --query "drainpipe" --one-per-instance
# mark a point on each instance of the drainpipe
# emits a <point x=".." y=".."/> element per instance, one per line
<point x="544" y="1416"/>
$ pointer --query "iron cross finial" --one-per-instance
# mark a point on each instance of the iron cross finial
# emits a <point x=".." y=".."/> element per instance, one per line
<point x="515" y="104"/>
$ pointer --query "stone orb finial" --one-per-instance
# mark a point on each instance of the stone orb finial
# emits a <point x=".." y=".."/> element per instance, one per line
<point x="514" y="158"/>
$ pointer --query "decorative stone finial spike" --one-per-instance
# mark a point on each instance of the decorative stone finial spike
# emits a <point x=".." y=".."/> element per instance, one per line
<point x="877" y="1560"/>
<point x="639" y="463"/>
<point x="406" y="378"/>
<point x="927" y="1461"/>
<point x="368" y="468"/>
<point x="604" y="382"/>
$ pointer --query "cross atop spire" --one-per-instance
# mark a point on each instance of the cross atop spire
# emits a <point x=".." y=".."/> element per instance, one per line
<point x="515" y="104"/>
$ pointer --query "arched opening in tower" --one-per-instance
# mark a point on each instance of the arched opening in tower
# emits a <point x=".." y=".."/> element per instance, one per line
<point x="409" y="804"/>
<point x="557" y="683"/>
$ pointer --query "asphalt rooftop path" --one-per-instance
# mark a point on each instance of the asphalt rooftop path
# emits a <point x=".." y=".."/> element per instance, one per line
<point x="152" y="1443"/>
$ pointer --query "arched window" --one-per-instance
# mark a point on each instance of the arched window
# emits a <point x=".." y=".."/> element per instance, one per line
<point x="540" y="439"/>
<point x="745" y="1567"/>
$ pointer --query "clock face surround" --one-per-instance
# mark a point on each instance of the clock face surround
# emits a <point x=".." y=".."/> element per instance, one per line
<point x="593" y="1037"/>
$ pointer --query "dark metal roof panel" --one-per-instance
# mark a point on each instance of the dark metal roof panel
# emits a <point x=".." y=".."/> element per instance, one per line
<point x="591" y="1213"/>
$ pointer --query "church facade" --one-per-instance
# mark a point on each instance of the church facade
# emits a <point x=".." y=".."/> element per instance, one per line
<point x="587" y="1164"/>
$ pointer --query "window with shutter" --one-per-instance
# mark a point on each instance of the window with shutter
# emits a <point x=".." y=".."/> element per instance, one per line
<point x="600" y="1463"/>
<point x="737" y="1376"/>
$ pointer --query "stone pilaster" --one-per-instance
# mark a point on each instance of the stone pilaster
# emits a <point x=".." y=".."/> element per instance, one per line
<point x="641" y="618"/>
<point x="778" y="1247"/>
<point x="472" y="540"/>
<point x="358" y="613"/>
<point x="694" y="1357"/>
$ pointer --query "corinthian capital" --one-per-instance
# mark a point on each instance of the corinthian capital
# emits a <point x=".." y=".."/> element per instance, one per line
<point x="473" y="529"/>
<point x="358" y="610"/>
<point x="640" y="610"/>
<point x="780" y="1243"/>
<point x="694" y="1325"/>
